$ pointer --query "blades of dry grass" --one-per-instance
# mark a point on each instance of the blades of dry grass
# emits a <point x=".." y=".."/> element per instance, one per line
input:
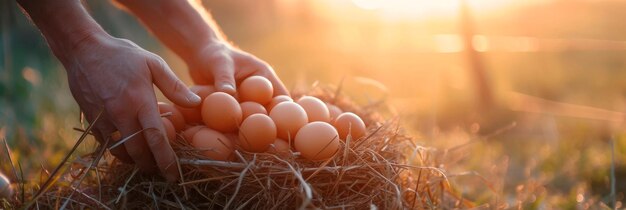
<point x="214" y="163"/>
<point x="97" y="201"/>
<point x="612" y="195"/>
<point x="239" y="181"/>
<point x="21" y="176"/>
<point x="8" y="152"/>
<point x="324" y="164"/>
<point x="123" y="189"/>
<point x="53" y="176"/>
<point x="86" y="171"/>
<point x="125" y="139"/>
<point x="303" y="184"/>
<point x="206" y="180"/>
<point x="83" y="131"/>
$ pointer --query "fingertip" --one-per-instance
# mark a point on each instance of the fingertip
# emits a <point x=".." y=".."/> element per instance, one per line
<point x="172" y="175"/>
<point x="227" y="88"/>
<point x="193" y="98"/>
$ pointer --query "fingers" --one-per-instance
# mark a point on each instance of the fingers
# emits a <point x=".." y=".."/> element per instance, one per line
<point x="154" y="133"/>
<point x="105" y="129"/>
<point x="125" y="119"/>
<point x="170" y="85"/>
<point x="224" y="76"/>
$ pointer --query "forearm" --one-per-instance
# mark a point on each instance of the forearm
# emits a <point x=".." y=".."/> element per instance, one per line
<point x="183" y="25"/>
<point x="63" y="23"/>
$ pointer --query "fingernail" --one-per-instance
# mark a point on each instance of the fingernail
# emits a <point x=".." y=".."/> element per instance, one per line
<point x="193" y="98"/>
<point x="228" y="88"/>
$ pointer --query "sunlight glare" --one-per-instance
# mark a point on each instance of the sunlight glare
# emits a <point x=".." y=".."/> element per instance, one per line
<point x="403" y="9"/>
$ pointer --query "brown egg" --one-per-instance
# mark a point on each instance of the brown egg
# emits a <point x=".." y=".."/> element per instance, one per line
<point x="248" y="108"/>
<point x="317" y="141"/>
<point x="234" y="137"/>
<point x="315" y="109"/>
<point x="349" y="122"/>
<point x="289" y="117"/>
<point x="277" y="100"/>
<point x="170" y="131"/>
<point x="279" y="146"/>
<point x="6" y="191"/>
<point x="213" y="144"/>
<point x="176" y="118"/>
<point x="193" y="115"/>
<point x="256" y="88"/>
<point x="221" y="112"/>
<point x="334" y="111"/>
<point x="191" y="131"/>
<point x="257" y="133"/>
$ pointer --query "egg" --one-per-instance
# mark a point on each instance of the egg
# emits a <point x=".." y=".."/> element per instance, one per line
<point x="213" y="144"/>
<point x="193" y="115"/>
<point x="256" y="88"/>
<point x="317" y="141"/>
<point x="351" y="123"/>
<point x="248" y="108"/>
<point x="279" y="147"/>
<point x="289" y="117"/>
<point x="176" y="118"/>
<point x="221" y="112"/>
<point x="234" y="137"/>
<point x="315" y="109"/>
<point x="6" y="191"/>
<point x="191" y="131"/>
<point x="334" y="111"/>
<point x="170" y="131"/>
<point x="277" y="100"/>
<point x="257" y="133"/>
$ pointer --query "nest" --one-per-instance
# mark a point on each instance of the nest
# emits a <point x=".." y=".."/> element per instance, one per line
<point x="384" y="170"/>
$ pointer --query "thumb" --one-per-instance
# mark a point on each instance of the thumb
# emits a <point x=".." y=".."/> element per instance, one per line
<point x="224" y="74"/>
<point x="170" y="85"/>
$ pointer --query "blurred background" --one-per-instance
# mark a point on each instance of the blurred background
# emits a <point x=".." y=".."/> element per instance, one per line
<point x="525" y="99"/>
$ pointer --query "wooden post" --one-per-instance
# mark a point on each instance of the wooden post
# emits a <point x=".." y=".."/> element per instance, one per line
<point x="474" y="61"/>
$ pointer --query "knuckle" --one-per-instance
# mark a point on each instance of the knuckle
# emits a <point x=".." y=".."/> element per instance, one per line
<point x="133" y="149"/>
<point x="178" y="86"/>
<point x="115" y="111"/>
<point x="155" y="138"/>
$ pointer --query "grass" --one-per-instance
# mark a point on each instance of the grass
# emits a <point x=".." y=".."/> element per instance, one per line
<point x="546" y="160"/>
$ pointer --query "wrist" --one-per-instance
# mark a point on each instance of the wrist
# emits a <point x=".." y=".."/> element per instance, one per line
<point x="65" y="45"/>
<point x="65" y="24"/>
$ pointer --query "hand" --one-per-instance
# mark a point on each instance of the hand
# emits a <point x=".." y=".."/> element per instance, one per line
<point x="224" y="66"/>
<point x="118" y="76"/>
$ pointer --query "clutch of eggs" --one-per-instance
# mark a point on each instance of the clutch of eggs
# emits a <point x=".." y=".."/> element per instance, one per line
<point x="256" y="120"/>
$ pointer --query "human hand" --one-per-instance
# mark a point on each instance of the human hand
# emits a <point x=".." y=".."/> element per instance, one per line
<point x="118" y="76"/>
<point x="225" y="66"/>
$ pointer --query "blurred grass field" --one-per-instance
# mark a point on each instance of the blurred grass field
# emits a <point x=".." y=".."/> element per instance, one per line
<point x="540" y="154"/>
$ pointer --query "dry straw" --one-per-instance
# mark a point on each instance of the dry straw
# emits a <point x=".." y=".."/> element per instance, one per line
<point x="384" y="170"/>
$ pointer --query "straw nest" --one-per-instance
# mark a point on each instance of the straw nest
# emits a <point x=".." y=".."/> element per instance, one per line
<point x="384" y="170"/>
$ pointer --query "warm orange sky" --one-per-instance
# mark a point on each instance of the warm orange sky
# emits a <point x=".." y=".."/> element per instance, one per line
<point x="417" y="9"/>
